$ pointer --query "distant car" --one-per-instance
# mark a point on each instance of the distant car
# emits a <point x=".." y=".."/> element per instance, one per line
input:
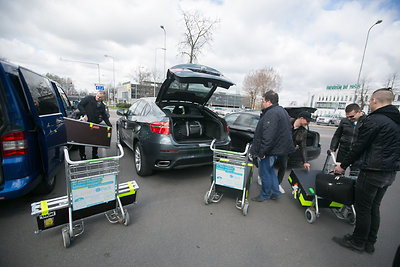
<point x="242" y="126"/>
<point x="329" y="119"/>
<point x="175" y="129"/>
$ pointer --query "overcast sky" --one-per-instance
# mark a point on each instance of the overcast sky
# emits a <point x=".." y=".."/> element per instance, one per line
<point x="311" y="43"/>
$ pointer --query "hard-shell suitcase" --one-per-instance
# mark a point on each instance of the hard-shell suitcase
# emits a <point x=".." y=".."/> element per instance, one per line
<point x="335" y="188"/>
<point x="87" y="133"/>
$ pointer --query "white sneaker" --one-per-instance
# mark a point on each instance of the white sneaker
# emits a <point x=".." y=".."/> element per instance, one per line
<point x="259" y="180"/>
<point x="281" y="189"/>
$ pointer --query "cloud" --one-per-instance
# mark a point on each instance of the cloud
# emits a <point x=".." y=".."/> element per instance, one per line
<point x="311" y="43"/>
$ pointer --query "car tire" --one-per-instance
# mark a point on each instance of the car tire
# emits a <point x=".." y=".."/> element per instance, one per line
<point x="46" y="185"/>
<point x="141" y="165"/>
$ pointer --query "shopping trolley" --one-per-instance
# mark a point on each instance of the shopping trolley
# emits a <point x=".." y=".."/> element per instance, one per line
<point x="231" y="170"/>
<point x="92" y="188"/>
<point x="317" y="189"/>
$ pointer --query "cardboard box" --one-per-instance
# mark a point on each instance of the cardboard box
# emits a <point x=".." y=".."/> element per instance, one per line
<point x="87" y="133"/>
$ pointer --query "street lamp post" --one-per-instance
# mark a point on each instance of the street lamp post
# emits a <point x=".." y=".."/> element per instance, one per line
<point x="113" y="79"/>
<point x="83" y="62"/>
<point x="362" y="60"/>
<point x="165" y="45"/>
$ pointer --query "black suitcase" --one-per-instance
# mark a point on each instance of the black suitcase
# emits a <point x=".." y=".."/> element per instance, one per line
<point x="335" y="188"/>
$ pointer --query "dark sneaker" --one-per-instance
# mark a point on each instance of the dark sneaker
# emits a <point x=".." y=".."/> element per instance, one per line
<point x="275" y="197"/>
<point x="83" y="157"/>
<point x="258" y="199"/>
<point x="95" y="156"/>
<point x="348" y="243"/>
<point x="369" y="248"/>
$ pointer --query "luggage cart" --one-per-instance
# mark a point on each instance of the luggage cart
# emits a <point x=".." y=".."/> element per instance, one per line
<point x="304" y="189"/>
<point x="232" y="170"/>
<point x="92" y="188"/>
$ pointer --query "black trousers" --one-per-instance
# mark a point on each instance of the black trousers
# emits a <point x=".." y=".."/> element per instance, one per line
<point x="282" y="165"/>
<point x="368" y="197"/>
<point x="82" y="151"/>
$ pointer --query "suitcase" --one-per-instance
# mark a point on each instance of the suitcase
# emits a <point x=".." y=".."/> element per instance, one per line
<point x="335" y="188"/>
<point x="303" y="185"/>
<point x="87" y="133"/>
<point x="188" y="129"/>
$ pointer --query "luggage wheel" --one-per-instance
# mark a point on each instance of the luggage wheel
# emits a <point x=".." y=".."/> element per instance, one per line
<point x="310" y="214"/>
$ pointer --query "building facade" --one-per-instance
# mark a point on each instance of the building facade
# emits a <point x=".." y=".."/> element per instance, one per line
<point x="334" y="99"/>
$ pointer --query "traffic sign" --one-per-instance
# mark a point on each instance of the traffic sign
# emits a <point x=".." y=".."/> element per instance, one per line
<point x="100" y="87"/>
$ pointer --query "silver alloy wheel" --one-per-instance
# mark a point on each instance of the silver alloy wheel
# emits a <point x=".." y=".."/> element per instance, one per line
<point x="138" y="158"/>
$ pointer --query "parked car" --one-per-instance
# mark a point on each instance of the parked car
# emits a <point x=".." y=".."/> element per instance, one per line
<point x="242" y="126"/>
<point x="329" y="119"/>
<point x="32" y="108"/>
<point x="175" y="129"/>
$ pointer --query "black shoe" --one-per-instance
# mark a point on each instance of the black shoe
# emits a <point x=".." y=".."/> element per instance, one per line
<point x="258" y="199"/>
<point x="369" y="248"/>
<point x="95" y="156"/>
<point x="275" y="197"/>
<point x="83" y="157"/>
<point x="348" y="243"/>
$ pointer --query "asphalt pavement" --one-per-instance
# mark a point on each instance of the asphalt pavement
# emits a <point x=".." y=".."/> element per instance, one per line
<point x="171" y="226"/>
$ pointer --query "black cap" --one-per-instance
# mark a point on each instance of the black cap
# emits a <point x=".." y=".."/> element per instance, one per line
<point x="306" y="115"/>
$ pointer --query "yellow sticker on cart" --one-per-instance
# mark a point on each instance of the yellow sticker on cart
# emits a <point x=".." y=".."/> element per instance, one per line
<point x="48" y="222"/>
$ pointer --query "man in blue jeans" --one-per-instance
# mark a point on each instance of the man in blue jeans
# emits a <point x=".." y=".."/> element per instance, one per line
<point x="378" y="148"/>
<point x="272" y="138"/>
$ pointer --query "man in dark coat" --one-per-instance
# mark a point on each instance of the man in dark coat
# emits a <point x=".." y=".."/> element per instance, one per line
<point x="378" y="147"/>
<point x="346" y="133"/>
<point x="93" y="110"/>
<point x="272" y="138"/>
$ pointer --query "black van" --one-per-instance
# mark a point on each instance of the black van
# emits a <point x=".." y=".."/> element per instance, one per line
<point x="32" y="130"/>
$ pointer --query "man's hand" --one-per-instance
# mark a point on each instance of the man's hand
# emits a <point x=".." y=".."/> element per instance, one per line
<point x="307" y="166"/>
<point x="338" y="169"/>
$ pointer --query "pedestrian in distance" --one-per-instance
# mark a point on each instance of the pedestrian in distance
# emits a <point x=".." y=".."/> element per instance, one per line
<point x="272" y="138"/>
<point x="346" y="133"/>
<point x="93" y="110"/>
<point x="378" y="147"/>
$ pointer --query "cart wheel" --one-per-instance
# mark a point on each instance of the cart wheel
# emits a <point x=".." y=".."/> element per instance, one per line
<point x="127" y="219"/>
<point x="245" y="209"/>
<point x="66" y="237"/>
<point x="310" y="215"/>
<point x="351" y="218"/>
<point x="207" y="198"/>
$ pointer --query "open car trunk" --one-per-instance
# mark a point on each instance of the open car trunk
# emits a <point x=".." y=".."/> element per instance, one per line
<point x="193" y="123"/>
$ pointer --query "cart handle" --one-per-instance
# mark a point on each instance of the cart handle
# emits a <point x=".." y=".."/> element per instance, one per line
<point x="330" y="153"/>
<point x="227" y="151"/>
<point x="66" y="154"/>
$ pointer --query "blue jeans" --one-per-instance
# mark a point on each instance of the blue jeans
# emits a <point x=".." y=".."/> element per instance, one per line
<point x="270" y="185"/>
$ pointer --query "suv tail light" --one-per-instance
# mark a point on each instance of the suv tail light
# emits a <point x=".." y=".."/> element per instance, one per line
<point x="160" y="127"/>
<point x="14" y="144"/>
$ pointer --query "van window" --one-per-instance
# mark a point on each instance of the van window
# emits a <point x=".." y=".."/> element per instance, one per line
<point x="64" y="99"/>
<point x="42" y="94"/>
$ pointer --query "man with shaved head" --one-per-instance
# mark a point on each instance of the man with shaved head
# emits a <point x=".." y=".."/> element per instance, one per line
<point x="378" y="148"/>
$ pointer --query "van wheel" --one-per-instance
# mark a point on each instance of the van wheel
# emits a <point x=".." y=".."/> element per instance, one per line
<point x="46" y="185"/>
<point x="141" y="165"/>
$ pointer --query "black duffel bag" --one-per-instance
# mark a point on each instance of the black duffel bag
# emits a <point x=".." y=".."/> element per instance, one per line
<point x="335" y="188"/>
<point x="188" y="129"/>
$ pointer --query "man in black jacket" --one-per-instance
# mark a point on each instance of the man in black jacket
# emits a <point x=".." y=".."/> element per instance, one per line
<point x="93" y="110"/>
<point x="378" y="147"/>
<point x="272" y="138"/>
<point x="346" y="133"/>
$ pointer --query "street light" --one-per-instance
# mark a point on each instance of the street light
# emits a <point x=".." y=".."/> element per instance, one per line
<point x="113" y="79"/>
<point x="165" y="45"/>
<point x="83" y="62"/>
<point x="362" y="60"/>
<point x="155" y="68"/>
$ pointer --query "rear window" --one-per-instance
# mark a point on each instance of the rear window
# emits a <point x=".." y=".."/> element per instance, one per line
<point x="196" y="89"/>
<point x="41" y="92"/>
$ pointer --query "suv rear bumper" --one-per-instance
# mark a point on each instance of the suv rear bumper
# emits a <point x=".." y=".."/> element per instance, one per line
<point x="18" y="187"/>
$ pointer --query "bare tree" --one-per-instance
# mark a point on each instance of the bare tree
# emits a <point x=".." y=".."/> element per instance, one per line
<point x="362" y="94"/>
<point x="392" y="81"/>
<point x="65" y="83"/>
<point x="258" y="82"/>
<point x="199" y="32"/>
<point x="141" y="75"/>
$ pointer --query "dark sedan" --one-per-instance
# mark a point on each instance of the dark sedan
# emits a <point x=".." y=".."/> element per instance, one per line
<point x="243" y="124"/>
<point x="175" y="129"/>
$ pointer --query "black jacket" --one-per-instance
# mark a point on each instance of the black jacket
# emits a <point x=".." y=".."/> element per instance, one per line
<point x="95" y="111"/>
<point x="378" y="142"/>
<point x="344" y="136"/>
<point x="273" y="135"/>
<point x="300" y="140"/>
